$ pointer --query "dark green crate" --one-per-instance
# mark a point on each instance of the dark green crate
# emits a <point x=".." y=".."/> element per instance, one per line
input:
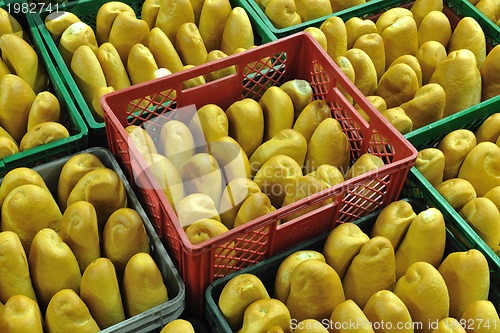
<point x="417" y="186"/>
<point x="373" y="7"/>
<point x="266" y="270"/>
<point x="73" y="121"/>
<point x="154" y="319"/>
<point x="87" y="10"/>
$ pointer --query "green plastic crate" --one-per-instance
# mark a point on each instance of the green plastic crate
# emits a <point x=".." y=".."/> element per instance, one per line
<point x="417" y="186"/>
<point x="87" y="10"/>
<point x="73" y="121"/>
<point x="373" y="7"/>
<point x="266" y="270"/>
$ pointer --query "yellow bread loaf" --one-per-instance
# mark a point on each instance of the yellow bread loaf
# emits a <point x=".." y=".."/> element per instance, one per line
<point x="143" y="286"/>
<point x="202" y="174"/>
<point x="172" y="14"/>
<point x="238" y="32"/>
<point x="53" y="266"/>
<point x="285" y="269"/>
<point x="377" y="257"/>
<point x="275" y="9"/>
<point x="16" y="279"/>
<point x="100" y="290"/>
<point x="469" y="35"/>
<point x="459" y="65"/>
<point x="428" y="225"/>
<point x="213" y="17"/>
<point x="315" y="290"/>
<point x="168" y="178"/>
<point x="149" y="12"/>
<point x="357" y="27"/>
<point x="189" y="44"/>
<point x="21" y="314"/>
<point x="240" y="114"/>
<point x="163" y="50"/>
<point x="386" y="307"/>
<point x="123" y="236"/>
<point x="106" y="16"/>
<point x="79" y="229"/>
<point x="264" y="315"/>
<point x="311" y="116"/>
<point x="95" y="187"/>
<point x="40" y="134"/>
<point x="45" y="107"/>
<point x="233" y="196"/>
<point x="141" y="64"/>
<point x="76" y="35"/>
<point x="336" y="36"/>
<point x="195" y="207"/>
<point x="255" y="206"/>
<point x="483" y="217"/>
<point x="68" y="313"/>
<point x="277" y="107"/>
<point x="57" y="22"/>
<point x="342" y="245"/>
<point x="8" y="147"/>
<point x="15" y="94"/>
<point x="393" y="222"/>
<point x="421" y="8"/>
<point x="176" y="143"/>
<point x="328" y="145"/>
<point x="20" y="56"/>
<point x="17" y="177"/>
<point x="126" y="31"/>
<point x="425" y="294"/>
<point x="467" y="277"/>
<point x="457" y="192"/>
<point x="112" y="66"/>
<point x="33" y="204"/>
<point x="215" y="55"/>
<point x="427" y="106"/>
<point x="87" y="72"/>
<point x="178" y="326"/>
<point x="349" y="312"/>
<point x="9" y="24"/>
<point x="74" y="169"/>
<point x="276" y="175"/>
<point x="231" y="158"/>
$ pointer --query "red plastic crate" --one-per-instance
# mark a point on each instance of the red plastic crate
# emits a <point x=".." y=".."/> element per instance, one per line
<point x="294" y="57"/>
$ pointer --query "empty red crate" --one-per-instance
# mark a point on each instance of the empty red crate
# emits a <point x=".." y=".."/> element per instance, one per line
<point x="294" y="57"/>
